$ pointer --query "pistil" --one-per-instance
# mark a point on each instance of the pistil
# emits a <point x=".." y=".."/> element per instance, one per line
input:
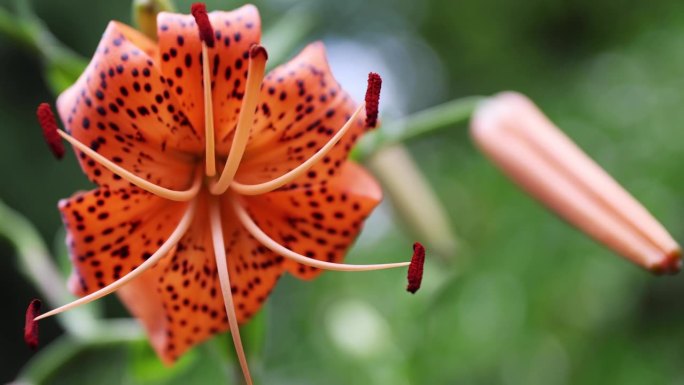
<point x="255" y="75"/>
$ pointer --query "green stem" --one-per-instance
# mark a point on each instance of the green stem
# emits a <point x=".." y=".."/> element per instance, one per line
<point x="419" y="124"/>
<point x="37" y="265"/>
<point x="145" y="15"/>
<point x="48" y="361"/>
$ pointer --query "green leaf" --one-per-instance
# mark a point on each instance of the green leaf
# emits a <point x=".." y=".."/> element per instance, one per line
<point x="100" y="366"/>
<point x="146" y="367"/>
<point x="253" y="334"/>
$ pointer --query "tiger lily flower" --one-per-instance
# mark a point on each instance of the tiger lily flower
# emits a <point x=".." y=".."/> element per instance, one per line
<point x="538" y="156"/>
<point x="213" y="178"/>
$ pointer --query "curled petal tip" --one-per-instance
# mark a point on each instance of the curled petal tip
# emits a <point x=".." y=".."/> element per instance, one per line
<point x="206" y="32"/>
<point x="31" y="325"/>
<point x="257" y="50"/>
<point x="415" y="270"/>
<point x="373" y="99"/>
<point x="671" y="263"/>
<point x="48" y="123"/>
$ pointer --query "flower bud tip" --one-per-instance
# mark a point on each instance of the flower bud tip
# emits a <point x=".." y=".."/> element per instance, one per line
<point x="670" y="264"/>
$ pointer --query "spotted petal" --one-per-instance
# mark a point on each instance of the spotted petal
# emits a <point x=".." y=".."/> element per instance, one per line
<point x="320" y="222"/>
<point x="121" y="107"/>
<point x="181" y="54"/>
<point x="301" y="108"/>
<point x="185" y="305"/>
<point x="111" y="232"/>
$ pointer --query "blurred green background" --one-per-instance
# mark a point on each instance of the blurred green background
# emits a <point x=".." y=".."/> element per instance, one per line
<point x="525" y="300"/>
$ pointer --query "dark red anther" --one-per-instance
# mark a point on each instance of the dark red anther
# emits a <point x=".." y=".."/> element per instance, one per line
<point x="373" y="99"/>
<point x="415" y="270"/>
<point x="255" y="50"/>
<point x="206" y="32"/>
<point x="48" y="123"/>
<point x="31" y="326"/>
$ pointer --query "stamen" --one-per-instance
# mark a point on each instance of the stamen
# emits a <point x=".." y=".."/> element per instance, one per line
<point x="224" y="280"/>
<point x="163" y="250"/>
<point x="255" y="75"/>
<point x="277" y="248"/>
<point x="48" y="123"/>
<point x="144" y="184"/>
<point x="262" y="188"/>
<point x="373" y="99"/>
<point x="31" y="326"/>
<point x="415" y="270"/>
<point x="210" y="146"/>
<point x="206" y="32"/>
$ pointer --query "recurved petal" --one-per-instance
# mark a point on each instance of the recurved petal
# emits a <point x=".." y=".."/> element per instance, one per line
<point x="111" y="232"/>
<point x="301" y="108"/>
<point x="180" y="303"/>
<point x="321" y="221"/>
<point x="121" y="107"/>
<point x="181" y="62"/>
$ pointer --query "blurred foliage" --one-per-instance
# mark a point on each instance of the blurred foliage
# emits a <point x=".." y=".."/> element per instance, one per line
<point x="528" y="301"/>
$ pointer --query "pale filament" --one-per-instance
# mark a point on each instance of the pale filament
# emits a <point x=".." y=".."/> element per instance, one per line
<point x="163" y="251"/>
<point x="224" y="280"/>
<point x="162" y="192"/>
<point x="255" y="76"/>
<point x="265" y="187"/>
<point x="279" y="249"/>
<point x="210" y="162"/>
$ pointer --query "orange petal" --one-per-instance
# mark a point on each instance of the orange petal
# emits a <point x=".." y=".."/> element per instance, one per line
<point x="320" y="222"/>
<point x="181" y="50"/>
<point x="111" y="232"/>
<point x="301" y="108"/>
<point x="121" y="107"/>
<point x="180" y="304"/>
